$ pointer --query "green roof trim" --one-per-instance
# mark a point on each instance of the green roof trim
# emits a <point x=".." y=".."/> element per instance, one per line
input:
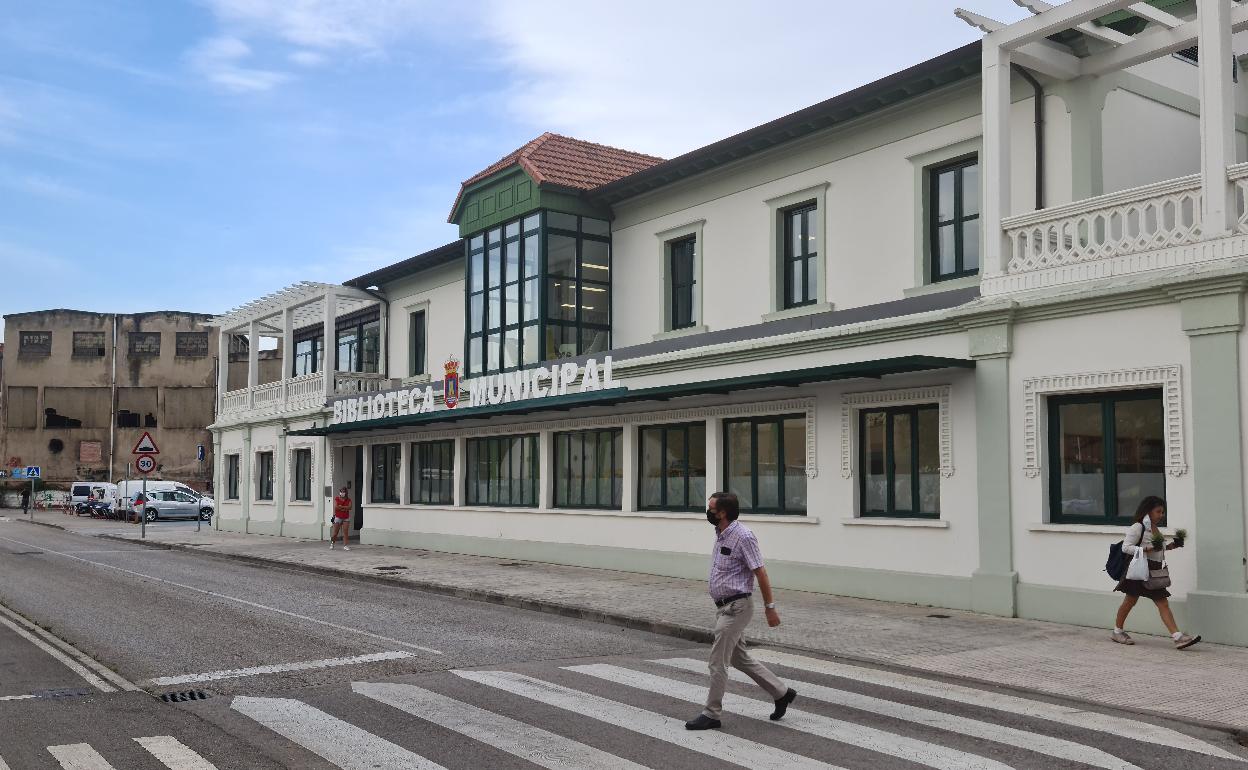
<point x="787" y="379"/>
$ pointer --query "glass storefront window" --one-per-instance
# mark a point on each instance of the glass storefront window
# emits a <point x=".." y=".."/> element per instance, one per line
<point x="502" y="470"/>
<point x="672" y="467"/>
<point x="765" y="463"/>
<point x="589" y="469"/>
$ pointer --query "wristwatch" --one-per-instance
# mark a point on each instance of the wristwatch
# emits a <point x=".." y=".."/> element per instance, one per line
<point x="770" y="605"/>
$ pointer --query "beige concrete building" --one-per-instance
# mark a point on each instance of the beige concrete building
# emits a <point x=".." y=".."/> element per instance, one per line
<point x="80" y="388"/>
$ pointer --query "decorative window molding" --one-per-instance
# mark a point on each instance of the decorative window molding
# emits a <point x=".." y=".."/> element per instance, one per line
<point x="290" y="471"/>
<point x="922" y="164"/>
<point x="1169" y="378"/>
<point x="852" y="403"/>
<point x="666" y="238"/>
<point x="805" y="406"/>
<point x="776" y="208"/>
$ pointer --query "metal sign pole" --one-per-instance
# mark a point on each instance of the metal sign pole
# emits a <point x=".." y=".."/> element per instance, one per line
<point x="32" y="498"/>
<point x="128" y="507"/>
<point x="143" y="516"/>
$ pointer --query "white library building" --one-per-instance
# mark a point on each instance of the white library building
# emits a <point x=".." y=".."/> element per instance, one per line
<point x="940" y="334"/>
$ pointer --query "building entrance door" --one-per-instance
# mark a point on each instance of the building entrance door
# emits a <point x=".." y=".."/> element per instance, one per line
<point x="359" y="488"/>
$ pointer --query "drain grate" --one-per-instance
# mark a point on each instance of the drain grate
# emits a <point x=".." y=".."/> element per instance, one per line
<point x="942" y="617"/>
<point x="62" y="692"/>
<point x="389" y="569"/>
<point x="184" y="696"/>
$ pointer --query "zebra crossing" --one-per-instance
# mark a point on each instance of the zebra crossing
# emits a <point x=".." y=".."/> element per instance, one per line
<point x="906" y="720"/>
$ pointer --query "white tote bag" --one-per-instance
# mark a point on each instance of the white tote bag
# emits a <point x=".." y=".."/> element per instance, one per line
<point x="1138" y="568"/>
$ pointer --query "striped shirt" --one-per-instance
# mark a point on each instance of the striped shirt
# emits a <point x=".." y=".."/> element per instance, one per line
<point x="733" y="561"/>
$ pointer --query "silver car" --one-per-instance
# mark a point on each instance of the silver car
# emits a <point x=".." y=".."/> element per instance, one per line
<point x="174" y="505"/>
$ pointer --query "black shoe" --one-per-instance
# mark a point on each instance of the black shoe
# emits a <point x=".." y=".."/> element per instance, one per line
<point x="703" y="722"/>
<point x="782" y="704"/>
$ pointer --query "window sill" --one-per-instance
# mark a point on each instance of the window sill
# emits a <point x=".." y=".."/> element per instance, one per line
<point x="677" y="515"/>
<point x="1089" y="529"/>
<point x="965" y="282"/>
<point x="262" y="502"/>
<point x="685" y="332"/>
<point x="798" y="312"/>
<point x="305" y="503"/>
<point x="884" y="521"/>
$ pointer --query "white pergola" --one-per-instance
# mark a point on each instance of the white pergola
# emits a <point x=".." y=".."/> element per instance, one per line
<point x="1026" y="43"/>
<point x="278" y="315"/>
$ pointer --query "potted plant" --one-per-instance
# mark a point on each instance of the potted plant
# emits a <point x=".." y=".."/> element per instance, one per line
<point x="1159" y="540"/>
<point x="1180" y="535"/>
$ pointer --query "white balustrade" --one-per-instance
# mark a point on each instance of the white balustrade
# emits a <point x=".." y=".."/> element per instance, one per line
<point x="1151" y="217"/>
<point x="267" y="396"/>
<point x="234" y="401"/>
<point x="1238" y="174"/>
<point x="305" y="387"/>
<point x="359" y="382"/>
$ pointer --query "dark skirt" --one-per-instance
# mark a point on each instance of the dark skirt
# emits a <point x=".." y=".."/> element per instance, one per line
<point x="1137" y="588"/>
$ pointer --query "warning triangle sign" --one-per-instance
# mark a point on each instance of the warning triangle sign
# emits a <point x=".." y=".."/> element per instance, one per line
<point x="145" y="446"/>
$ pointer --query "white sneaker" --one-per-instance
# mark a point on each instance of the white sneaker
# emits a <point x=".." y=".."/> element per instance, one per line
<point x="331" y="546"/>
<point x="346" y="548"/>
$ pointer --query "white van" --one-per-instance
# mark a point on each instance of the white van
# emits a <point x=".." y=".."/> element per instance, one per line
<point x="126" y="491"/>
<point x="81" y="491"/>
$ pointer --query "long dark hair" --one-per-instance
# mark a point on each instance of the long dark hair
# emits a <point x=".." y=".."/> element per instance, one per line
<point x="1146" y="506"/>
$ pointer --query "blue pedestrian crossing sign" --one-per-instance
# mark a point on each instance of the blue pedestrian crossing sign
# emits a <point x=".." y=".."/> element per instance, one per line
<point x="29" y="472"/>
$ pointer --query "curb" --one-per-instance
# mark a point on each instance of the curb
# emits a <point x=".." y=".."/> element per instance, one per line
<point x="664" y="628"/>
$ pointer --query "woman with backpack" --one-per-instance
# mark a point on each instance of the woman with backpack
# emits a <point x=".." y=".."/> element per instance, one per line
<point x="1143" y="535"/>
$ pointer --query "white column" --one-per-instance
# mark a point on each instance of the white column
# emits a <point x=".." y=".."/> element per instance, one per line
<point x="253" y="361"/>
<point x="461" y="471"/>
<point x="996" y="161"/>
<point x="383" y="342"/>
<point x="223" y="366"/>
<point x="628" y="465"/>
<point x="331" y="312"/>
<point x="288" y="348"/>
<point x="1217" y="116"/>
<point x="715" y="481"/>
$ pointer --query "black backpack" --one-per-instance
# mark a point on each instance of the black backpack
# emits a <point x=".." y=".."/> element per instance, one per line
<point x="1116" y="564"/>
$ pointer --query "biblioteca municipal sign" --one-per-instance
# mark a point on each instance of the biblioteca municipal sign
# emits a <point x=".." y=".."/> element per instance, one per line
<point x="492" y="389"/>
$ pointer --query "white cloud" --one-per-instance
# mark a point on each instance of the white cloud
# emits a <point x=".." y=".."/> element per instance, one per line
<point x="307" y="58"/>
<point x="366" y="25"/>
<point x="219" y="59"/>
<point x="44" y="187"/>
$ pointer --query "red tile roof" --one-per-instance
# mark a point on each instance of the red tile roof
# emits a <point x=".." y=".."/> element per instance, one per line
<point x="552" y="159"/>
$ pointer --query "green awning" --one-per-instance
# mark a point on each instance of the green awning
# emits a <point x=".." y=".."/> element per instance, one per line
<point x="861" y="369"/>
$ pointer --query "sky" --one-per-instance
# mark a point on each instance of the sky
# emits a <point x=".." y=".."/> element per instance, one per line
<point x="197" y="154"/>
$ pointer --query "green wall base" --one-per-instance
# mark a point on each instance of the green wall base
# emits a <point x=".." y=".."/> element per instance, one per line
<point x="1095" y="609"/>
<point x="1218" y="617"/>
<point x="259" y="527"/>
<point x="308" y="531"/>
<point x="884" y="585"/>
<point x="993" y="593"/>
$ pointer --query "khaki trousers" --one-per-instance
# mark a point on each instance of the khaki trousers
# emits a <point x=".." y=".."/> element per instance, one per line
<point x="728" y="648"/>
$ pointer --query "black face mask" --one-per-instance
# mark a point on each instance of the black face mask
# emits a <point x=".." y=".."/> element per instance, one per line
<point x="711" y="517"/>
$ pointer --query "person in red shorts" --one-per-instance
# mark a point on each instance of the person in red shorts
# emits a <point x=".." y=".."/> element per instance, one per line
<point x="341" y="519"/>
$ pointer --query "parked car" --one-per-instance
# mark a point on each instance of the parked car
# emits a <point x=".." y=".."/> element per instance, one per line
<point x="170" y="504"/>
<point x="129" y="489"/>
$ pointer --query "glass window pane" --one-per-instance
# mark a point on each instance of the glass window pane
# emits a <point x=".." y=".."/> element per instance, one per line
<point x="595" y="261"/>
<point x="561" y="470"/>
<point x="532" y="255"/>
<point x="561" y="221"/>
<point x="970" y="190"/>
<point x="532" y="222"/>
<point x="493" y="341"/>
<point x="970" y="245"/>
<point x="944" y="195"/>
<point x="1081" y="461"/>
<point x="903" y="494"/>
<point x="1139" y="451"/>
<point x="595" y="226"/>
<point x="511" y="260"/>
<point x="874" y="470"/>
<point x="652" y="468"/>
<point x="738" y="462"/>
<point x="476" y="355"/>
<point x="576" y="474"/>
<point x="768" y="465"/>
<point x="560" y="342"/>
<point x="530" y="300"/>
<point x="595" y="304"/>
<point x="531" y="350"/>
<point x="606" y="468"/>
<point x="812" y="279"/>
<point x="494" y="235"/>
<point x="674" y="467"/>
<point x="494" y="314"/>
<point x="494" y="259"/>
<point x="561" y="302"/>
<point x="371" y="348"/>
<point x="511" y="348"/>
<point x="476" y="266"/>
<point x="511" y="230"/>
<point x="795" y="465"/>
<point x="812" y="231"/>
<point x="511" y="304"/>
<point x="476" y="312"/>
<point x="929" y="461"/>
<point x="946" y="250"/>
<point x="794" y="224"/>
<point x="797" y="286"/>
<point x="697" y="465"/>
<point x="589" y="445"/>
<point x="477" y="243"/>
<point x="561" y="255"/>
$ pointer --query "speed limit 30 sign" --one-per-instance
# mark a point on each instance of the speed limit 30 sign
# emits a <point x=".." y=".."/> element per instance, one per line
<point x="145" y="464"/>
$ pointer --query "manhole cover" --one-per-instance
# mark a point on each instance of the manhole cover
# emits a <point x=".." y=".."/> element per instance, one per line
<point x="62" y="692"/>
<point x="942" y="617"/>
<point x="389" y="569"/>
<point x="184" y="696"/>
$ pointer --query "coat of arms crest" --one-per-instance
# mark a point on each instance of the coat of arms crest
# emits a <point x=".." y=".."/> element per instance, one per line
<point x="450" y="383"/>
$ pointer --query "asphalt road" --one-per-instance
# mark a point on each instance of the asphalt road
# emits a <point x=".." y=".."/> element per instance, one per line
<point x="306" y="671"/>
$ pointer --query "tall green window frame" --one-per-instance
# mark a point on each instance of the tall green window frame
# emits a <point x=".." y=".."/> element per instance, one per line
<point x="264" y="476"/>
<point x="801" y="255"/>
<point x="765" y="463"/>
<point x="231" y="477"/>
<point x="303" y="474"/>
<point x="416" y="343"/>
<point x="431" y="472"/>
<point x="386" y="464"/>
<point x="358" y="342"/>
<point x="309" y="353"/>
<point x="578" y="285"/>
<point x="899" y="469"/>
<point x="589" y="469"/>
<point x="671" y="467"/>
<point x="682" y="254"/>
<point x="503" y="298"/>
<point x="1106" y="452"/>
<point x="953" y="219"/>
<point x="502" y="471"/>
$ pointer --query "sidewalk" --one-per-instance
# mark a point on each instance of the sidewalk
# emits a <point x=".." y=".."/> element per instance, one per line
<point x="1207" y="684"/>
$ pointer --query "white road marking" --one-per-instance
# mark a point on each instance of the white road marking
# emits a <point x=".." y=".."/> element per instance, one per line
<point x="15" y="697"/>
<point x="67" y="661"/>
<point x="1134" y="729"/>
<point x="542" y="748"/>
<point x="338" y="742"/>
<point x="278" y="668"/>
<point x="3" y="764"/>
<point x="227" y="597"/>
<point x="174" y="754"/>
<point x="880" y="741"/>
<point x="721" y="746"/>
<point x="103" y="671"/>
<point x="1041" y="744"/>
<point x="79" y="756"/>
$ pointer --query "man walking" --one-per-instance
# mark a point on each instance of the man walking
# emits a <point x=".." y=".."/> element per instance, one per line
<point x="735" y="563"/>
<point x="25" y="501"/>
